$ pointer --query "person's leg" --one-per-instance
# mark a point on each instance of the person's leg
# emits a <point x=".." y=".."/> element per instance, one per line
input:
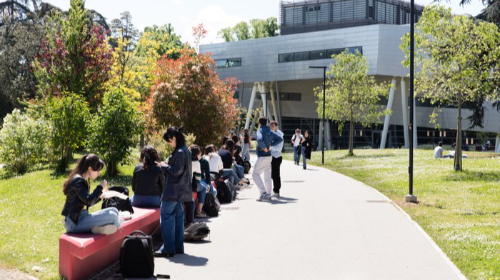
<point x="267" y="176"/>
<point x="189" y="212"/>
<point x="213" y="190"/>
<point x="202" y="193"/>
<point x="239" y="171"/>
<point x="167" y="225"/>
<point x="179" y="229"/>
<point x="275" y="174"/>
<point x="295" y="155"/>
<point x="258" y="168"/>
<point x="303" y="151"/>
<point x="145" y="201"/>
<point x="231" y="175"/>
<point x="86" y="221"/>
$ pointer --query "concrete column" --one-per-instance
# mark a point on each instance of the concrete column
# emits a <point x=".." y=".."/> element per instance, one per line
<point x="328" y="136"/>
<point x="321" y="135"/>
<point x="404" y="104"/>
<point x="279" y="105"/>
<point x="497" y="144"/>
<point x="273" y="102"/>
<point x="262" y="90"/>
<point x="250" y="105"/>
<point x="252" y="127"/>
<point x="388" y="117"/>
<point x="415" y="138"/>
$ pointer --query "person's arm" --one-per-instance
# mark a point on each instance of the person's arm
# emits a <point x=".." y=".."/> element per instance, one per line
<point x="161" y="181"/>
<point x="276" y="139"/>
<point x="260" y="141"/>
<point x="134" y="179"/>
<point x="83" y="194"/>
<point x="178" y="164"/>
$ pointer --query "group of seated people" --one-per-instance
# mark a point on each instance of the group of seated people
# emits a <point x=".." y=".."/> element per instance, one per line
<point x="438" y="151"/>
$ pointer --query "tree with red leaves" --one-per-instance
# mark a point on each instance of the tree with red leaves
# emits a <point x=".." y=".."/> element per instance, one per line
<point x="75" y="57"/>
<point x="189" y="92"/>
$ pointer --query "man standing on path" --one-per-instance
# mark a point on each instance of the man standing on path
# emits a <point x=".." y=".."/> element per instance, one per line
<point x="265" y="139"/>
<point x="296" y="140"/>
<point x="276" y="162"/>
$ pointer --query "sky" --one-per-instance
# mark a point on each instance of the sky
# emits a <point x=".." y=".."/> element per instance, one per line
<point x="214" y="14"/>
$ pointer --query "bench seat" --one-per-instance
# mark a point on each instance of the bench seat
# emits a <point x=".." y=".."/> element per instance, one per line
<point x="82" y="255"/>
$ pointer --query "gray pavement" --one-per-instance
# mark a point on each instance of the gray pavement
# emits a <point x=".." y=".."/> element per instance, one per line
<point x="325" y="226"/>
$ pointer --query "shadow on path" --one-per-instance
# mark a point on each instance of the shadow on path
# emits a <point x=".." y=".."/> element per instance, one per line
<point x="189" y="260"/>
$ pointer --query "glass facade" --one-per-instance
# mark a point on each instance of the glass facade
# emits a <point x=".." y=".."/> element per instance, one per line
<point x="284" y="96"/>
<point x="230" y="62"/>
<point x="313" y="55"/>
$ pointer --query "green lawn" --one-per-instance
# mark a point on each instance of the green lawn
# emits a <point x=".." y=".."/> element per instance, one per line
<point x="459" y="210"/>
<point x="31" y="221"/>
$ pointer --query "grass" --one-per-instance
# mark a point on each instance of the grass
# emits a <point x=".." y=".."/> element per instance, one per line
<point x="459" y="210"/>
<point x="31" y="221"/>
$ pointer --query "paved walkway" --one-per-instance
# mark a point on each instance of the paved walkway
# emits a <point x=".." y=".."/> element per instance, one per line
<point x="325" y="226"/>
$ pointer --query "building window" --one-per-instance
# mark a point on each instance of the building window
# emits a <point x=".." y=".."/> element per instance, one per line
<point x="284" y="96"/>
<point x="230" y="62"/>
<point x="312" y="55"/>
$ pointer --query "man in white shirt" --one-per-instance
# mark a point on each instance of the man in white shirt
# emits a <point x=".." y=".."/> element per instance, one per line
<point x="438" y="151"/>
<point x="296" y="140"/>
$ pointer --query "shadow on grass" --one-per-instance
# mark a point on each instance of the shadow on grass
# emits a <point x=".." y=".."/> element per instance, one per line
<point x="468" y="176"/>
<point x="366" y="156"/>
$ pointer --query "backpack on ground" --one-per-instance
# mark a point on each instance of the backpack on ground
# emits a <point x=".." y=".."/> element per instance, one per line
<point x="224" y="194"/>
<point x="136" y="256"/>
<point x="196" y="232"/>
<point x="246" y="167"/>
<point x="232" y="190"/>
<point x="210" y="206"/>
<point x="118" y="203"/>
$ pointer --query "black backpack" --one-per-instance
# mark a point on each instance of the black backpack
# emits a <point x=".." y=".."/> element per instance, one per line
<point x="196" y="232"/>
<point x="210" y="206"/>
<point x="246" y="167"/>
<point x="136" y="256"/>
<point x="224" y="193"/>
<point x="118" y="203"/>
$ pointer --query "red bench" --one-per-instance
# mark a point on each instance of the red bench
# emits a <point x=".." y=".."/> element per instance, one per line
<point x="84" y="255"/>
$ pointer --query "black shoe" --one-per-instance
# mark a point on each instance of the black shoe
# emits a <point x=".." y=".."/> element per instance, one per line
<point x="159" y="254"/>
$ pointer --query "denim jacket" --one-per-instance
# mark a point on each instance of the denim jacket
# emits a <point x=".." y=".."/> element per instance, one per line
<point x="179" y="176"/>
<point x="265" y="139"/>
<point x="276" y="149"/>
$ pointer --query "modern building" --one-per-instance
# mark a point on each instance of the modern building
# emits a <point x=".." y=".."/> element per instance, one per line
<point x="275" y="75"/>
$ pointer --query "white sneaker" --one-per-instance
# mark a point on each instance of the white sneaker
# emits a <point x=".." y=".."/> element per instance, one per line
<point x="267" y="197"/>
<point x="245" y="180"/>
<point x="107" y="229"/>
<point x="275" y="195"/>
<point x="261" y="197"/>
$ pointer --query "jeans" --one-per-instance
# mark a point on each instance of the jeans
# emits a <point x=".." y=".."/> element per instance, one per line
<point x="263" y="165"/>
<point x="202" y="191"/>
<point x="213" y="190"/>
<point x="152" y="201"/>
<point x="239" y="170"/>
<point x="172" y="227"/>
<point x="246" y="152"/>
<point x="231" y="175"/>
<point x="303" y="151"/>
<point x="296" y="156"/>
<point x="86" y="221"/>
<point x="275" y="173"/>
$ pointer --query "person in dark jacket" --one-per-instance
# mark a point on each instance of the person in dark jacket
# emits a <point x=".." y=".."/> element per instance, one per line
<point x="306" y="148"/>
<point x="148" y="180"/>
<point x="77" y="219"/>
<point x="177" y="190"/>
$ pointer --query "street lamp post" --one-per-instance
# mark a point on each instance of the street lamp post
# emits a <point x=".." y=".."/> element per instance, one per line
<point x="410" y="197"/>
<point x="324" y="84"/>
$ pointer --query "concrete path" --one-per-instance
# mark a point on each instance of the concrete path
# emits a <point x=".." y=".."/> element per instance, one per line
<point x="325" y="226"/>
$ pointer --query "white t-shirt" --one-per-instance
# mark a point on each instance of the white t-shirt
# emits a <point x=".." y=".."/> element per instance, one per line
<point x="296" y="140"/>
<point x="215" y="162"/>
<point x="438" y="152"/>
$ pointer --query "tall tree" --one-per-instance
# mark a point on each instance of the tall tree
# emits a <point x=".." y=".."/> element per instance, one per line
<point x="242" y="31"/>
<point x="256" y="28"/>
<point x="189" y="92"/>
<point x="199" y="32"/>
<point x="457" y="58"/>
<point x="124" y="28"/>
<point x="351" y="95"/>
<point x="168" y="43"/>
<point x="226" y="34"/>
<point x="75" y="57"/>
<point x="272" y="27"/>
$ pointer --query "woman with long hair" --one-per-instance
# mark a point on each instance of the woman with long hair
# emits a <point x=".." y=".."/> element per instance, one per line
<point x="148" y="180"/>
<point x="246" y="145"/>
<point x="76" y="188"/>
<point x="306" y="148"/>
<point x="177" y="190"/>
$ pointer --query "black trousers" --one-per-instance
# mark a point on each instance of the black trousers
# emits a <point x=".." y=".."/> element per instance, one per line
<point x="275" y="173"/>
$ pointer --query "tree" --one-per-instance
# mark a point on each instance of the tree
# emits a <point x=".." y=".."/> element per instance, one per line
<point x="75" y="57"/>
<point x="457" y="58"/>
<point x="114" y="131"/>
<point x="256" y="28"/>
<point x="124" y="28"/>
<point x="199" y="32"/>
<point x="168" y="43"/>
<point x="351" y="95"/>
<point x="189" y="92"/>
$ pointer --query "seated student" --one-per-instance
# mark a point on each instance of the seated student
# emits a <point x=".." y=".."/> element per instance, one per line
<point x="451" y="154"/>
<point x="76" y="188"/>
<point x="438" y="151"/>
<point x="205" y="174"/>
<point x="148" y="180"/>
<point x="226" y="155"/>
<point x="215" y="162"/>
<point x="199" y="185"/>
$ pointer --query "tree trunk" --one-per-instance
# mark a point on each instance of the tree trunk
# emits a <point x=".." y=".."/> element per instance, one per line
<point x="351" y="138"/>
<point x="458" y="147"/>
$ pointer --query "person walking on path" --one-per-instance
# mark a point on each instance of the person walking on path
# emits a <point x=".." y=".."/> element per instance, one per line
<point x="296" y="140"/>
<point x="276" y="161"/>
<point x="265" y="139"/>
<point x="306" y="148"/>
<point x="246" y="145"/>
<point x="177" y="190"/>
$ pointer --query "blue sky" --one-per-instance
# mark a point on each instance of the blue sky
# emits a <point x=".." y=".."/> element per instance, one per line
<point x="215" y="14"/>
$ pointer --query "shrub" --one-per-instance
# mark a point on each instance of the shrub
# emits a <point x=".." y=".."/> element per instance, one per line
<point x="69" y="117"/>
<point x="23" y="142"/>
<point x="113" y="131"/>
<point x="164" y="150"/>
